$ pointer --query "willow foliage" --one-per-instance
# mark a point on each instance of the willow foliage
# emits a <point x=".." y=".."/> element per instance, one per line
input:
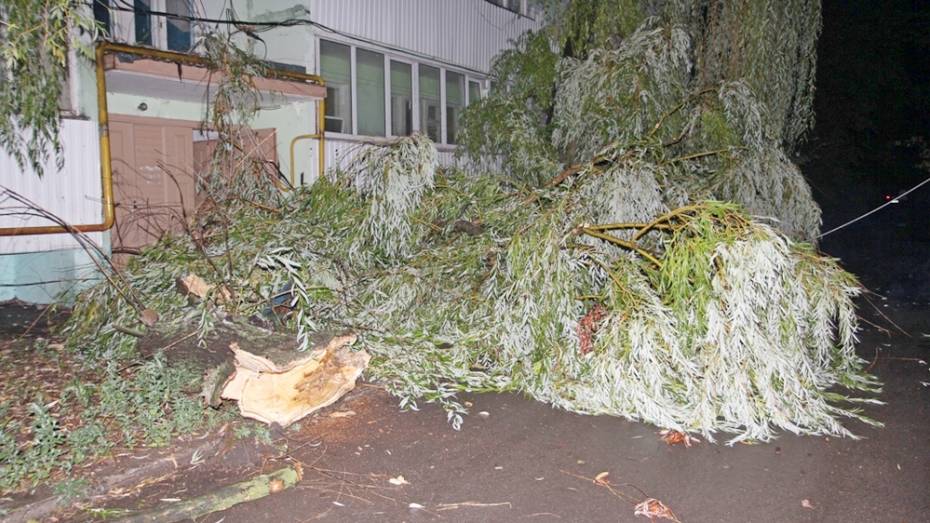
<point x="620" y="285"/>
<point x="712" y="86"/>
<point x="592" y="296"/>
<point x="35" y="38"/>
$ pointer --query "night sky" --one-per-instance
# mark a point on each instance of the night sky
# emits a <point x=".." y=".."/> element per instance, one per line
<point x="873" y="92"/>
<point x="873" y="82"/>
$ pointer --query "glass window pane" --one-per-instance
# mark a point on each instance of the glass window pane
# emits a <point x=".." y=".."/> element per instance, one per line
<point x="401" y="99"/>
<point x="474" y="92"/>
<point x="179" y="29"/>
<point x="430" y="108"/>
<point x="455" y="102"/>
<point x="370" y="98"/>
<point x="143" y="21"/>
<point x="336" y="69"/>
<point x="102" y="15"/>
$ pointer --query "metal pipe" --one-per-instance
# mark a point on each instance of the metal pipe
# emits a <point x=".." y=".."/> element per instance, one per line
<point x="321" y="129"/>
<point x="106" y="170"/>
<point x="319" y="135"/>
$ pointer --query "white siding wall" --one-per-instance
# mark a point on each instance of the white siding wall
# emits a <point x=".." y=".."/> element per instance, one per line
<point x="73" y="193"/>
<point x="467" y="33"/>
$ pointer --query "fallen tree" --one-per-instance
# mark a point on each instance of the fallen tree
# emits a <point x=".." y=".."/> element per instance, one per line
<point x="603" y="269"/>
<point x="699" y="320"/>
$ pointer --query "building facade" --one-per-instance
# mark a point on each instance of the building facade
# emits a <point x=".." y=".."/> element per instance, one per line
<point x="388" y="68"/>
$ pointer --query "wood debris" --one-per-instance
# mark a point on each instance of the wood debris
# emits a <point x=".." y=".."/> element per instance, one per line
<point x="280" y="391"/>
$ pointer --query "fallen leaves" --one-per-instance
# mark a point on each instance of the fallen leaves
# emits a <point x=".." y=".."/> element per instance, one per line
<point x="588" y="326"/>
<point x="673" y="437"/>
<point x="652" y="509"/>
<point x="398" y="481"/>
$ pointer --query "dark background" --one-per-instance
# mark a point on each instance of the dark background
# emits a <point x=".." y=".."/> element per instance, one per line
<point x="873" y="95"/>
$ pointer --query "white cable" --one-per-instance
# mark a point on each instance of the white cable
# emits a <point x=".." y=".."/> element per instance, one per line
<point x="896" y="199"/>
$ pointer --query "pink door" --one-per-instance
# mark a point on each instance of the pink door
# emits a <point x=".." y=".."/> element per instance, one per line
<point x="153" y="178"/>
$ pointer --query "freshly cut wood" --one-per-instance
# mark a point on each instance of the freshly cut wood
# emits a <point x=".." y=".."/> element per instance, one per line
<point x="194" y="286"/>
<point x="278" y="388"/>
<point x="222" y="499"/>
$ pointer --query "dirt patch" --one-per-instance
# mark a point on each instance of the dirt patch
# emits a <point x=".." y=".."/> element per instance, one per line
<point x="38" y="370"/>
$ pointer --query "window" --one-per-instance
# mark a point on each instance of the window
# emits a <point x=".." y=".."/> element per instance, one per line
<point x="455" y="102"/>
<point x="336" y="69"/>
<point x="179" y="29"/>
<point x="430" y="103"/>
<point x="372" y="93"/>
<point x="401" y="99"/>
<point x="474" y="91"/>
<point x="102" y="15"/>
<point x="370" y="97"/>
<point x="143" y="21"/>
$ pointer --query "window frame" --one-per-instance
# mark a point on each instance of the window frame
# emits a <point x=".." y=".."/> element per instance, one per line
<point x="414" y="94"/>
<point x="391" y="55"/>
<point x="319" y="71"/>
<point x="123" y="24"/>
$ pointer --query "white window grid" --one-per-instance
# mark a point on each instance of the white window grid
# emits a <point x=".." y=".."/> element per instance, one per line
<point x="391" y="55"/>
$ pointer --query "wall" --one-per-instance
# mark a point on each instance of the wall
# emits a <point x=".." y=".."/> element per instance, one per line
<point x="289" y="45"/>
<point x="289" y="120"/>
<point x="38" y="267"/>
<point x="44" y="277"/>
<point x="468" y="33"/>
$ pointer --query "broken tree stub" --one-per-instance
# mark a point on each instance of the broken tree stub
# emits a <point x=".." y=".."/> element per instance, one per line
<point x="283" y="386"/>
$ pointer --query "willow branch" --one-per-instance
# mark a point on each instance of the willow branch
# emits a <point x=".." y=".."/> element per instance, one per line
<point x="677" y="108"/>
<point x="627" y="225"/>
<point x="624" y="244"/>
<point x="701" y="154"/>
<point x="660" y="221"/>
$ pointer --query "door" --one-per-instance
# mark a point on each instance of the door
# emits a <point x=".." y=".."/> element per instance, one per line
<point x="260" y="144"/>
<point x="153" y="179"/>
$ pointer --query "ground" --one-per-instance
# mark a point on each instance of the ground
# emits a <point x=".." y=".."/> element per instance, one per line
<point x="526" y="461"/>
<point x="516" y="459"/>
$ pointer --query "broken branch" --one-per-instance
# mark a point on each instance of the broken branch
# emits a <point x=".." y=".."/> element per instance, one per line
<point x="222" y="499"/>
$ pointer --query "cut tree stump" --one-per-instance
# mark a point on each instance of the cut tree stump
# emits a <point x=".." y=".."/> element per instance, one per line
<point x="263" y="370"/>
<point x="282" y="391"/>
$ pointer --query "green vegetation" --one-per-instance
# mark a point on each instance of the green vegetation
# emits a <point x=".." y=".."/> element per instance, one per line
<point x="698" y="319"/>
<point x="147" y="406"/>
<point x="640" y="253"/>
<point x="35" y="39"/>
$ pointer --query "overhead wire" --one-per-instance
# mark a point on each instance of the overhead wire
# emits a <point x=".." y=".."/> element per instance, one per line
<point x="892" y="201"/>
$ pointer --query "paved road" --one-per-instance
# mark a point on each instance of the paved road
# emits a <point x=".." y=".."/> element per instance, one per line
<point x="520" y="462"/>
